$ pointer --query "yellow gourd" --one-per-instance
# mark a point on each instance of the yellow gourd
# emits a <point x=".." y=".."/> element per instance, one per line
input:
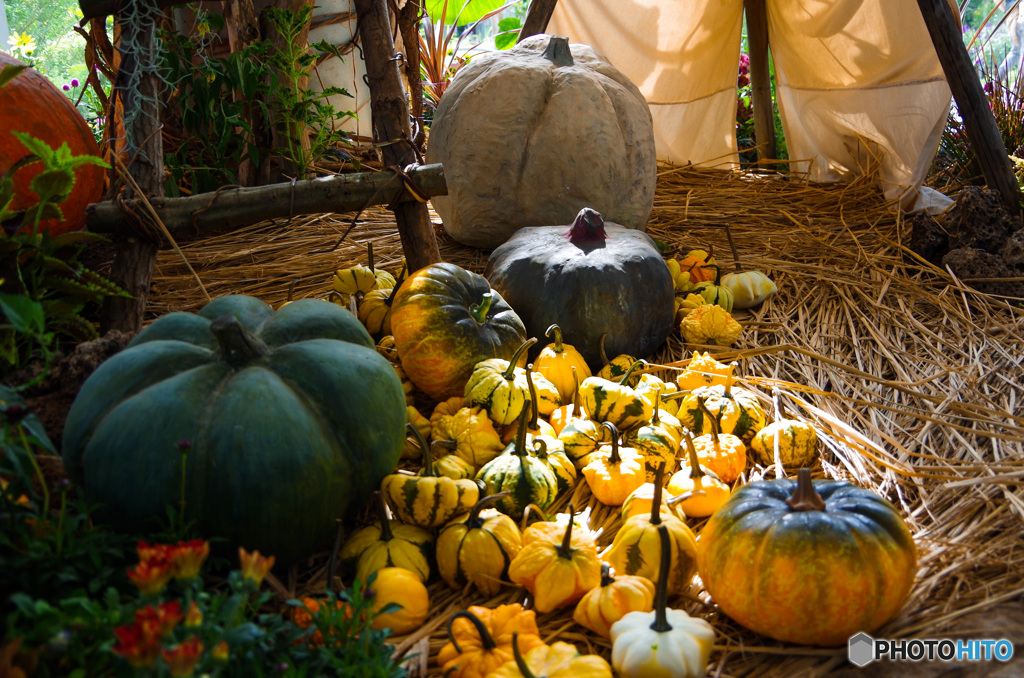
<point x="557" y="362"/>
<point x="398" y="586"/>
<point x="698" y="493"/>
<point x="612" y="600"/>
<point x="480" y="639"/>
<point x="614" y="472"/>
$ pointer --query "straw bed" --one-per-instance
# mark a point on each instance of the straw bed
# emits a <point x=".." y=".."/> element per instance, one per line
<point x="912" y="378"/>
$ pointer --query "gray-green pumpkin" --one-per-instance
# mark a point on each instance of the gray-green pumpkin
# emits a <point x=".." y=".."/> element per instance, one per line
<point x="291" y="419"/>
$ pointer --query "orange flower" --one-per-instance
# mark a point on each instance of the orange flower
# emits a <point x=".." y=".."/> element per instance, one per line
<point x="137" y="645"/>
<point x="221" y="651"/>
<point x="153" y="551"/>
<point x="188" y="556"/>
<point x="160" y="620"/>
<point x="194" y="616"/>
<point x="151" y="574"/>
<point x="182" y="659"/>
<point x="254" y="566"/>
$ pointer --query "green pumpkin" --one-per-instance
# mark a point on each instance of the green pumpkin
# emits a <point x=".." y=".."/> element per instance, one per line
<point x="527" y="478"/>
<point x="292" y="419"/>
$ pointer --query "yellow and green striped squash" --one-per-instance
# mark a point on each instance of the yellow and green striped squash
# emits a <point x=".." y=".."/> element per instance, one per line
<point x="388" y="544"/>
<point x="527" y="478"/>
<point x="618" y="404"/>
<point x="495" y="386"/>
<point x="476" y="548"/>
<point x="580" y="438"/>
<point x="737" y="410"/>
<point x="798" y="443"/>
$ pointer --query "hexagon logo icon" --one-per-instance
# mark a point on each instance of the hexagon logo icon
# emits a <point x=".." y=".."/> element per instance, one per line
<point x="861" y="650"/>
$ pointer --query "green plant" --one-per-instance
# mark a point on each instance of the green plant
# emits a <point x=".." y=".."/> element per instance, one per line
<point x="44" y="289"/>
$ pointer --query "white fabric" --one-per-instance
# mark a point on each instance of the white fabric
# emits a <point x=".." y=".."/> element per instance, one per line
<point x="858" y="82"/>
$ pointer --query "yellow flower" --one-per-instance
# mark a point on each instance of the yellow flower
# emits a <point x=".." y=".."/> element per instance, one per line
<point x="23" y="42"/>
<point x="202" y="29"/>
<point x="194" y="616"/>
<point x="221" y="651"/>
<point x="254" y="566"/>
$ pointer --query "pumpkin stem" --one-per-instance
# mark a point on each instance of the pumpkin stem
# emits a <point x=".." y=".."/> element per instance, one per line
<point x="532" y="390"/>
<point x="600" y="346"/>
<point x="614" y="457"/>
<point x="732" y="245"/>
<point x="428" y="459"/>
<point x="479" y="311"/>
<point x="575" y="411"/>
<point x="394" y="290"/>
<point x="558" y="337"/>
<point x="510" y="373"/>
<point x="558" y="52"/>
<point x="629" y="372"/>
<point x="520" y="447"/>
<point x="716" y="428"/>
<point x="450" y="445"/>
<point x="804" y="497"/>
<point x="656" y="418"/>
<point x="238" y="348"/>
<point x="606" y="574"/>
<point x="385" y="523"/>
<point x="587" y="227"/>
<point x="369" y="257"/>
<point x="695" y="470"/>
<point x="661" y="624"/>
<point x="656" y="500"/>
<point x="521" y="664"/>
<point x="565" y="548"/>
<point x="473" y="521"/>
<point x="486" y="641"/>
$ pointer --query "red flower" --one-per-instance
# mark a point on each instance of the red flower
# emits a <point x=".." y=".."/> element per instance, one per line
<point x="188" y="556"/>
<point x="182" y="659"/>
<point x="221" y="651"/>
<point x="137" y="645"/>
<point x="160" y="620"/>
<point x="151" y="575"/>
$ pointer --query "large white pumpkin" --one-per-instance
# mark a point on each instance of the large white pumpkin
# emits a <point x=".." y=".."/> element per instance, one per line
<point x="530" y="136"/>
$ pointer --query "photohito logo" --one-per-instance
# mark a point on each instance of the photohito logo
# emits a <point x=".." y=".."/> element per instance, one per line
<point x="864" y="649"/>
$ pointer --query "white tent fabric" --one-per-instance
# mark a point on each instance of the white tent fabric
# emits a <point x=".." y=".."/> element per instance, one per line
<point x="858" y="82"/>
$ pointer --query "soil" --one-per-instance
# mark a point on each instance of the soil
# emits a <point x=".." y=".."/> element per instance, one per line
<point x="978" y="239"/>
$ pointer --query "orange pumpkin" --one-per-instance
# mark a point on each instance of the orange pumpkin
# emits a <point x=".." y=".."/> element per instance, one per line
<point x="403" y="587"/>
<point x="32" y="104"/>
<point x="480" y="639"/>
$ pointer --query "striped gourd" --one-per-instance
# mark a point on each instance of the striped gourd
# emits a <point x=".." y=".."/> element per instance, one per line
<point x="797" y="441"/>
<point x="656" y="446"/>
<point x="528" y="479"/>
<point x="737" y="410"/>
<point x="428" y="499"/>
<point x="650" y="388"/>
<point x="388" y="544"/>
<point x="580" y="438"/>
<point x="550" y="450"/>
<point x="614" y="402"/>
<point x="494" y="386"/>
<point x="476" y="548"/>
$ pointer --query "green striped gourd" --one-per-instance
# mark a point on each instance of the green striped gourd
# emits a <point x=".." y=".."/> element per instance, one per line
<point x="494" y="386"/>
<point x="580" y="438"/>
<point x="737" y="410"/>
<point x="654" y="441"/>
<point x="614" y="402"/>
<point x="388" y="544"/>
<point x="476" y="548"/>
<point x="797" y="441"/>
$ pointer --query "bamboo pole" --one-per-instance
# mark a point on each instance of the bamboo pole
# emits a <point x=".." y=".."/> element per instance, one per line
<point x="760" y="81"/>
<point x="979" y="123"/>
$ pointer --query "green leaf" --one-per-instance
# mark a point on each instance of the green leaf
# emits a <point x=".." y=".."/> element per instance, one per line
<point x="508" y="32"/>
<point x="53" y="184"/>
<point x="37" y="146"/>
<point x="460" y="12"/>
<point x="24" y="314"/>
<point x="10" y="73"/>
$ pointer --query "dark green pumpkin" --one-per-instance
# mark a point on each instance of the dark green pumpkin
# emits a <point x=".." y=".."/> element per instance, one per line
<point x="291" y="417"/>
<point x="596" y="278"/>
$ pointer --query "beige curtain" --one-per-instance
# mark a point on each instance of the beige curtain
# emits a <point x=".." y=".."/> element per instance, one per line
<point x="858" y="83"/>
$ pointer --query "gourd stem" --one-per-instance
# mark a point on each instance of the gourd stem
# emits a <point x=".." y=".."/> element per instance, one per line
<point x="629" y="372"/>
<point x="473" y="521"/>
<point x="520" y="447"/>
<point x="732" y="245"/>
<point x="606" y="574"/>
<point x="486" y="641"/>
<point x="600" y="346"/>
<point x="565" y="548"/>
<point x="394" y="290"/>
<point x="518" y="656"/>
<point x="369" y="257"/>
<point x="532" y="390"/>
<point x="428" y="458"/>
<point x="729" y="379"/>
<point x="614" y="457"/>
<point x="385" y="523"/>
<point x="238" y="348"/>
<point x="479" y="311"/>
<point x="804" y="498"/>
<point x="716" y="429"/>
<point x="510" y="373"/>
<point x="656" y="418"/>
<point x="695" y="470"/>
<point x="777" y="402"/>
<point x="558" y="336"/>
<point x="450" y="445"/>
<point x="575" y="411"/>
<point x="656" y="500"/>
<point x="557" y="51"/>
<point x="661" y="624"/>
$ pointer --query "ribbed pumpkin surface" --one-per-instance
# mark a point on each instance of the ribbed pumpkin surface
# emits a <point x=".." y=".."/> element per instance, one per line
<point x="32" y="104"/>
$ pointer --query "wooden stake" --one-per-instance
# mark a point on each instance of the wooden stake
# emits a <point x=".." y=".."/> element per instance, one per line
<point x="537" y="18"/>
<point x="391" y="129"/>
<point x="760" y="81"/>
<point x="979" y="123"/>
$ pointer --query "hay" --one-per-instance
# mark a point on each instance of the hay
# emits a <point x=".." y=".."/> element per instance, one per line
<point x="912" y="377"/>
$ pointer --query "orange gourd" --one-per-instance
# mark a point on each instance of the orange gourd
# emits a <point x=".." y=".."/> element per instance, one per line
<point x="30" y="103"/>
<point x="612" y="600"/>
<point x="402" y="587"/>
<point x="480" y="639"/>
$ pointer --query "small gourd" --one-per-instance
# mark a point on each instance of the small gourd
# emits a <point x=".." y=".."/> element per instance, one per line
<point x="375" y="310"/>
<point x="558" y="660"/>
<point x="428" y="499"/>
<point x="612" y="600"/>
<point x="710" y="324"/>
<point x="480" y="639"/>
<point x="655" y="441"/>
<point x="566" y="413"/>
<point x="359" y="280"/>
<point x="749" y="288"/>
<point x="558" y="362"/>
<point x="737" y="410"/>
<point x="650" y="387"/>
<point x="641" y="500"/>
<point x="412" y="450"/>
<point x="465" y="431"/>
<point x="616" y="368"/>
<point x="494" y="386"/>
<point x="613" y="474"/>
<point x="529" y="480"/>
<point x="724" y="454"/>
<point x="556" y="573"/>
<point x="614" y="402"/>
<point x="703" y="370"/>
<point x="794" y="441"/>
<point x="387" y="544"/>
<point x="401" y="587"/>
<point x="580" y="438"/>
<point x="476" y="548"/>
<point x="714" y="292"/>
<point x="637" y="546"/>
<point x="698" y="493"/>
<point x="664" y="643"/>
<point x="697" y="266"/>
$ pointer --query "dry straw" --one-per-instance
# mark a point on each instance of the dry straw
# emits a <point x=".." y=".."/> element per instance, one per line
<point x="912" y="378"/>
